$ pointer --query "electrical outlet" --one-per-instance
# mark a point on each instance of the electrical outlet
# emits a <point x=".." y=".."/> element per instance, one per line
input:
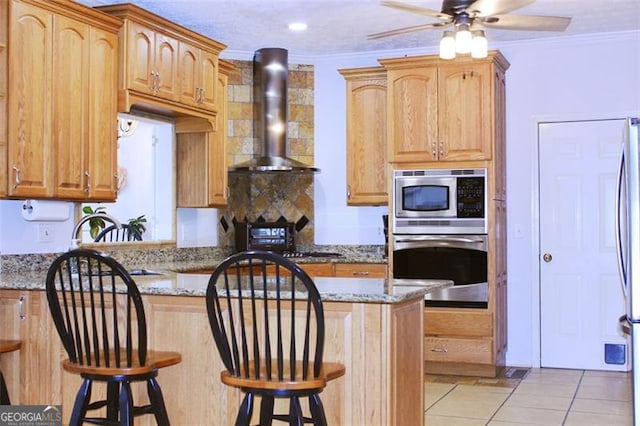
<point x="46" y="233"/>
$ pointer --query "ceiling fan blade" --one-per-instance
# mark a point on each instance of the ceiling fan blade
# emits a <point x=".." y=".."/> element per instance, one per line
<point x="526" y="22"/>
<point x="415" y="9"/>
<point x="495" y="7"/>
<point x="408" y="30"/>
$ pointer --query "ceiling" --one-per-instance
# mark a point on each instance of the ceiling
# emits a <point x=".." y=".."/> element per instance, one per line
<point x="341" y="26"/>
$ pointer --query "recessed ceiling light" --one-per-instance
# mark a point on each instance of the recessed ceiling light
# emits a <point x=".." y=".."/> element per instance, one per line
<point x="297" y="26"/>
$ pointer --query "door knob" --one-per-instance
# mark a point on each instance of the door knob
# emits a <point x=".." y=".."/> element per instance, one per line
<point x="547" y="257"/>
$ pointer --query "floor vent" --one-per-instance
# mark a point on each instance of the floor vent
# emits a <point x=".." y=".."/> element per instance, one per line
<point x="516" y="373"/>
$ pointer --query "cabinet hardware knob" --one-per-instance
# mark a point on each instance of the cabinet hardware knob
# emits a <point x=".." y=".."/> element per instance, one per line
<point x="17" y="177"/>
<point x="547" y="257"/>
<point x="87" y="187"/>
<point x="21" y="301"/>
<point x="153" y="81"/>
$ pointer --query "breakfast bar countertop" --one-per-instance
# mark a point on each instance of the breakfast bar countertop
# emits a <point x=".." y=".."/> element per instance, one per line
<point x="169" y="282"/>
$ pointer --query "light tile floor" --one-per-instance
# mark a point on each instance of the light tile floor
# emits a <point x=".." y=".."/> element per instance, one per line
<point x="543" y="397"/>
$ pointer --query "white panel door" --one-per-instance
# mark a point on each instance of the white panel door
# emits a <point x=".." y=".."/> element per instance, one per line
<point x="580" y="291"/>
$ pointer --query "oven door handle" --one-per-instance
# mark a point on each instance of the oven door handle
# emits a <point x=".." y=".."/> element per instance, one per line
<point x="424" y="238"/>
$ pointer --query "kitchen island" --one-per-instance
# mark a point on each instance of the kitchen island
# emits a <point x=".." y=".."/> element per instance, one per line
<point x="373" y="327"/>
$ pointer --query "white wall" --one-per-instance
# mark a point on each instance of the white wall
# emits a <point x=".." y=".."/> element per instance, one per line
<point x="571" y="76"/>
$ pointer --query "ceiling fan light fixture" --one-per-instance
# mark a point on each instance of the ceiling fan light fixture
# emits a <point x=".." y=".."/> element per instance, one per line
<point x="448" y="45"/>
<point x="479" y="45"/>
<point x="463" y="39"/>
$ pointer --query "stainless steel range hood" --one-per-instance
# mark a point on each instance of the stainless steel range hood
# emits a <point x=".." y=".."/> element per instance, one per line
<point x="270" y="71"/>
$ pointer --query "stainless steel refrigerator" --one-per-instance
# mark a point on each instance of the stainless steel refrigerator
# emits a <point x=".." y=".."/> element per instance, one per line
<point x="628" y="244"/>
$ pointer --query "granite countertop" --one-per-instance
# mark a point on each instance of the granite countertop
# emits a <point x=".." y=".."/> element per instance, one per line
<point x="175" y="283"/>
<point x="178" y="278"/>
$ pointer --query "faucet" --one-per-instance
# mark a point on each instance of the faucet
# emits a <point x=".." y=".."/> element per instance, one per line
<point x="75" y="241"/>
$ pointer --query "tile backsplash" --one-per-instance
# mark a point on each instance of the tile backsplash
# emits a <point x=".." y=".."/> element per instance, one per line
<point x="270" y="195"/>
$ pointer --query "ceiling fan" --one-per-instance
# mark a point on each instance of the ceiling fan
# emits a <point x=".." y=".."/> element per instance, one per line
<point x="469" y="16"/>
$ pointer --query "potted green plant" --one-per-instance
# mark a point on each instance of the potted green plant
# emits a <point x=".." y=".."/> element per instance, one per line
<point x="138" y="223"/>
<point x="95" y="223"/>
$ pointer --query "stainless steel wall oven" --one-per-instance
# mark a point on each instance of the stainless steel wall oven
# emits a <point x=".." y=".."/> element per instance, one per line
<point x="461" y="258"/>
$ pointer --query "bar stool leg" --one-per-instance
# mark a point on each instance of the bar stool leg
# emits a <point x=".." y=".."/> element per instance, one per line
<point x="4" y="393"/>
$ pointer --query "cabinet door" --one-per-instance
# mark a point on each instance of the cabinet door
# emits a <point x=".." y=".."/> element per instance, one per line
<point x="209" y="90"/>
<point x="70" y="102"/>
<point x="218" y="184"/>
<point x="166" y="67"/>
<point x="368" y="270"/>
<point x="464" y="112"/>
<point x="4" y="35"/>
<point x="412" y="114"/>
<point x="12" y="318"/>
<point x="102" y="151"/>
<point x="30" y="165"/>
<point x="139" y="67"/>
<point x="367" y="141"/>
<point x="188" y="71"/>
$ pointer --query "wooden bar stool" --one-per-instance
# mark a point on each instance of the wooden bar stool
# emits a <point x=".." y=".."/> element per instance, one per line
<point x="7" y="346"/>
<point x="267" y="320"/>
<point x="98" y="312"/>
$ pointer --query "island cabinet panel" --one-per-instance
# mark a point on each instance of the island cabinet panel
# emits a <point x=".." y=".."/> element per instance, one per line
<point x="61" y="118"/>
<point x="378" y="343"/>
<point x="366" y="135"/>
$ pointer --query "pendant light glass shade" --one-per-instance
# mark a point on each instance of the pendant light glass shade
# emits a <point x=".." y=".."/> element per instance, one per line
<point x="463" y="39"/>
<point x="479" y="45"/>
<point x="447" y="45"/>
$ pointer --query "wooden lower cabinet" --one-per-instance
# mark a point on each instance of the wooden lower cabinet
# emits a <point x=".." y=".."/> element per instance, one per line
<point x="378" y="343"/>
<point x="327" y="269"/>
<point x="383" y="384"/>
<point x="460" y="341"/>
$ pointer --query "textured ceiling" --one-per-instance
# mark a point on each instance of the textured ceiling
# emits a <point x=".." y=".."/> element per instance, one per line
<point x="341" y="26"/>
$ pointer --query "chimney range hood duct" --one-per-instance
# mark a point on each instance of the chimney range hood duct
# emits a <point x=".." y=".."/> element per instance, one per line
<point x="270" y="70"/>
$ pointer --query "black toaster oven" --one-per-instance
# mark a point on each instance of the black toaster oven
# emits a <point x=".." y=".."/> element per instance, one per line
<point x="270" y="236"/>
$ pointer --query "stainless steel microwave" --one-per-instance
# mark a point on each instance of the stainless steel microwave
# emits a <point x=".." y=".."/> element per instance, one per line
<point x="440" y="201"/>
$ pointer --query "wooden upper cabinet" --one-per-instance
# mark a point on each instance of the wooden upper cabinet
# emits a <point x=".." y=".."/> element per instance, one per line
<point x="201" y="169"/>
<point x="29" y="141"/>
<point x="102" y="153"/>
<point x="70" y="106"/>
<point x="412" y="115"/>
<point x="198" y="70"/>
<point x="153" y="62"/>
<point x="62" y="102"/>
<point x="166" y="68"/>
<point x="442" y="110"/>
<point x="366" y="136"/>
<point x="465" y="121"/>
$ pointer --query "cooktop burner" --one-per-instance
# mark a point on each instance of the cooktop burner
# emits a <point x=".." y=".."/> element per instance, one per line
<point x="310" y="254"/>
